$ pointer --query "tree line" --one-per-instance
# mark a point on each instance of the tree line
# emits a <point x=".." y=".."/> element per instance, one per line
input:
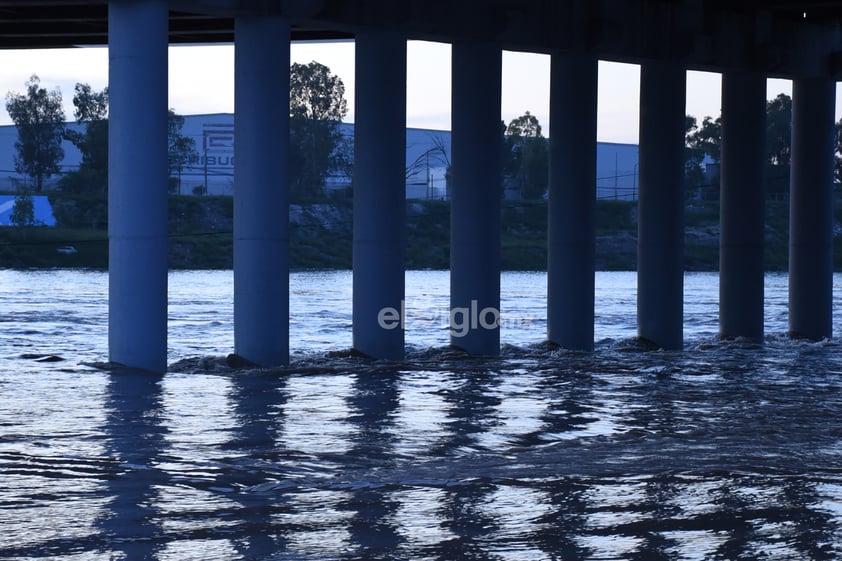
<point x="525" y="159"/>
<point x="704" y="141"/>
<point x="39" y="117"/>
<point x="318" y="149"/>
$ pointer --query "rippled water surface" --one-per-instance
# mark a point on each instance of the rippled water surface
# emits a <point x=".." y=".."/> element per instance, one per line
<point x="721" y="451"/>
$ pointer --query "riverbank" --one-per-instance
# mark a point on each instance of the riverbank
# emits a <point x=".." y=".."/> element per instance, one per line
<point x="321" y="235"/>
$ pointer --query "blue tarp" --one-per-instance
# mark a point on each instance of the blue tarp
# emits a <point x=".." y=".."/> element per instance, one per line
<point x="43" y="210"/>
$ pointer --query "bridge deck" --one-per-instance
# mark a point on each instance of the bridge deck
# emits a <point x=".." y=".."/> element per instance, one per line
<point x="701" y="34"/>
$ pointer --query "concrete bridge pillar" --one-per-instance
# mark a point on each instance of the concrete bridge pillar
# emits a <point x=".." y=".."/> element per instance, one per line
<point x="261" y="199"/>
<point x="741" y="271"/>
<point x="811" y="208"/>
<point x="476" y="145"/>
<point x="572" y="185"/>
<point x="660" y="244"/>
<point x="137" y="183"/>
<point x="379" y="194"/>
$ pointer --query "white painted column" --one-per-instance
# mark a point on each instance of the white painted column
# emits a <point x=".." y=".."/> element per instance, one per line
<point x="379" y="194"/>
<point x="137" y="183"/>
<point x="476" y="146"/>
<point x="660" y="241"/>
<point x="742" y="216"/>
<point x="572" y="199"/>
<point x="811" y="208"/>
<point x="261" y="193"/>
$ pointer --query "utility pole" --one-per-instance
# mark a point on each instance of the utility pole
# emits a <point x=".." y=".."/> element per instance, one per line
<point x="205" y="158"/>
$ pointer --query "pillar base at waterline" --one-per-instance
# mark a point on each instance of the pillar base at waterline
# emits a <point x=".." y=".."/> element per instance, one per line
<point x="261" y="302"/>
<point x="137" y="303"/>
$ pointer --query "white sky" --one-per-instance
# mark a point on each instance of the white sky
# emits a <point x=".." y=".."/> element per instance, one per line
<point x="201" y="81"/>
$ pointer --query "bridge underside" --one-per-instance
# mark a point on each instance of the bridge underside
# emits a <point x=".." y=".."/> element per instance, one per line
<point x="773" y="37"/>
<point x="747" y="44"/>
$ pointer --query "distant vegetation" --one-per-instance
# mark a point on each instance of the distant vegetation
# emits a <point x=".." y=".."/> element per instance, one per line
<point x="320" y="224"/>
<point x="39" y="118"/>
<point x="321" y="235"/>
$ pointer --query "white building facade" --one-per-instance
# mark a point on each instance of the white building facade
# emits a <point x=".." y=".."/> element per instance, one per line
<point x="427" y="162"/>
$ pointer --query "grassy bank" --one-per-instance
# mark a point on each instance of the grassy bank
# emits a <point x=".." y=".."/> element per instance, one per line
<point x="200" y="231"/>
<point x="39" y="247"/>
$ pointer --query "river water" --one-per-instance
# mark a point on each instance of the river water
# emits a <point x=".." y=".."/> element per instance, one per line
<point x="720" y="451"/>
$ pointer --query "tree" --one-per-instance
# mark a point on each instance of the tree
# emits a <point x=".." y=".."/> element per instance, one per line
<point x="435" y="154"/>
<point x="779" y="130"/>
<point x="700" y="142"/>
<point x="526" y="159"/>
<point x="91" y="111"/>
<point x="525" y="126"/>
<point x="707" y="138"/>
<point x="39" y="118"/>
<point x="23" y="213"/>
<point x="778" y="143"/>
<point x="317" y="148"/>
<point x="692" y="155"/>
<point x="181" y="150"/>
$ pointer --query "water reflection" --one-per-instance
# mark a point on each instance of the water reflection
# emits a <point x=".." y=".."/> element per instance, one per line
<point x="420" y="421"/>
<point x="135" y="437"/>
<point x="316" y="419"/>
<point x="519" y="412"/>
<point x="315" y="524"/>
<point x="373" y="402"/>
<point x="564" y="519"/>
<point x="643" y="459"/>
<point x="470" y="524"/>
<point x="254" y="458"/>
<point x="520" y="519"/>
<point x="471" y="405"/>
<point x="52" y="468"/>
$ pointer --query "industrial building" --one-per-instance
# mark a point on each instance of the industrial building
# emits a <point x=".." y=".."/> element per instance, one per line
<point x="427" y="157"/>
